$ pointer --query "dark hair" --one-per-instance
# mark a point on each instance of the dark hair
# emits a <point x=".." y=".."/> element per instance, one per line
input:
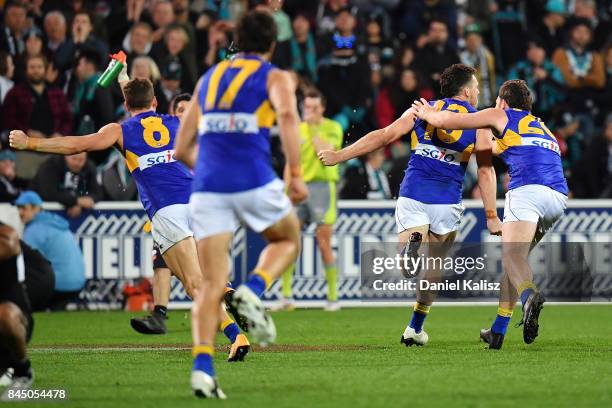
<point x="315" y="93"/>
<point x="439" y="21"/>
<point x="138" y="94"/>
<point x="92" y="57"/>
<point x="256" y="32"/>
<point x="4" y="62"/>
<point x="40" y="57"/>
<point x="177" y="99"/>
<point x="16" y="4"/>
<point x="455" y="78"/>
<point x="516" y="94"/>
<point x="85" y="13"/>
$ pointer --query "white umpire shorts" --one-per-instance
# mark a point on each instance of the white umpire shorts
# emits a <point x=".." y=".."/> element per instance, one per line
<point x="170" y="225"/>
<point x="441" y="218"/>
<point x="535" y="203"/>
<point x="259" y="208"/>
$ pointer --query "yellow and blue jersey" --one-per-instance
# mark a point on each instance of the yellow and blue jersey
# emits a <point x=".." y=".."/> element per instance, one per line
<point x="439" y="158"/>
<point x="148" y="148"/>
<point x="234" y="127"/>
<point x="531" y="152"/>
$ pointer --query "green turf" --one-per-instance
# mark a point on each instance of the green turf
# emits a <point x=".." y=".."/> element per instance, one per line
<point x="360" y="364"/>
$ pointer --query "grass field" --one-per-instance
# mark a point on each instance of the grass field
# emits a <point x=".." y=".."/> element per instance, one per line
<point x="350" y="358"/>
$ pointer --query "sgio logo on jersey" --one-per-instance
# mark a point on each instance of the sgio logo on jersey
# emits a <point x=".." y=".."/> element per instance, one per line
<point x="228" y="123"/>
<point x="438" y="153"/>
<point x="153" y="159"/>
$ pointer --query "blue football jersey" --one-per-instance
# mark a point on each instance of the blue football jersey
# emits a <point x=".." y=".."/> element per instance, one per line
<point x="148" y="148"/>
<point x="439" y="158"/>
<point x="531" y="152"/>
<point x="234" y="127"/>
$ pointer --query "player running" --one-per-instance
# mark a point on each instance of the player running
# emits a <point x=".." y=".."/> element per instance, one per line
<point x="235" y="104"/>
<point x="536" y="197"/>
<point x="429" y="208"/>
<point x="16" y="321"/>
<point x="146" y="141"/>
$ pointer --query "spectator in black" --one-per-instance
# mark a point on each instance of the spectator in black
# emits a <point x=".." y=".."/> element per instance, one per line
<point x="92" y="105"/>
<point x="593" y="178"/>
<point x="603" y="100"/>
<point x="550" y="29"/>
<point x="34" y="47"/>
<point x="37" y="109"/>
<point x="583" y="71"/>
<point x="417" y="16"/>
<point x="437" y="54"/>
<point x="326" y="15"/>
<point x="378" y="48"/>
<point x="7" y="70"/>
<point x="344" y="67"/>
<point x="343" y="37"/>
<point x="10" y="185"/>
<point x="478" y="56"/>
<point x="601" y="27"/>
<point x="69" y="180"/>
<point x="162" y="17"/>
<point x="398" y="96"/>
<point x="116" y="179"/>
<point x="55" y="30"/>
<point x="218" y="42"/>
<point x="15" y="27"/>
<point x="365" y="179"/>
<point x="34" y="107"/>
<point x="508" y="32"/>
<point x="302" y="49"/>
<point x="138" y="41"/>
<point x="82" y="37"/>
<point x="170" y="84"/>
<point x="175" y="51"/>
<point x="543" y="78"/>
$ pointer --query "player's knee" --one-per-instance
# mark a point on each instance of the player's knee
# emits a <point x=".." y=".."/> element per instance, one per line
<point x="214" y="287"/>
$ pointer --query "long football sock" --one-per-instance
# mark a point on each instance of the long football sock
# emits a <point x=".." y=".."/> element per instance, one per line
<point x="230" y="329"/>
<point x="258" y="282"/>
<point x="203" y="359"/>
<point x="500" y="325"/>
<point x="525" y="289"/>
<point x="287" y="281"/>
<point x="331" y="275"/>
<point x="418" y="316"/>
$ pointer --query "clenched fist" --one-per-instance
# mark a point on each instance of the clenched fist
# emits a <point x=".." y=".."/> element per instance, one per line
<point x="328" y="157"/>
<point x="18" y="140"/>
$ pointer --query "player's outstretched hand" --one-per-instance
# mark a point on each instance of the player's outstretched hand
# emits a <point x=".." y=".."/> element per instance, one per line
<point x="297" y="190"/>
<point x="18" y="140"/>
<point x="494" y="225"/>
<point x="422" y="108"/>
<point x="328" y="157"/>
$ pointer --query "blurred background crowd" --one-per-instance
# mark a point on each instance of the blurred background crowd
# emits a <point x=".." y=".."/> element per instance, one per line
<point x="369" y="58"/>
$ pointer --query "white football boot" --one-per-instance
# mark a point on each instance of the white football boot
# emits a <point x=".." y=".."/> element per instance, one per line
<point x="261" y="326"/>
<point x="410" y="337"/>
<point x="205" y="386"/>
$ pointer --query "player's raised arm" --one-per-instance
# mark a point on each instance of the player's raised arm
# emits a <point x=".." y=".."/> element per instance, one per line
<point x="487" y="181"/>
<point x="185" y="142"/>
<point x="106" y="137"/>
<point x="494" y="118"/>
<point x="281" y="88"/>
<point x="372" y="141"/>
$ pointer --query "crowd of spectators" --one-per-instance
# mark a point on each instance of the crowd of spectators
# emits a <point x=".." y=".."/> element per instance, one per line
<point x="369" y="58"/>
